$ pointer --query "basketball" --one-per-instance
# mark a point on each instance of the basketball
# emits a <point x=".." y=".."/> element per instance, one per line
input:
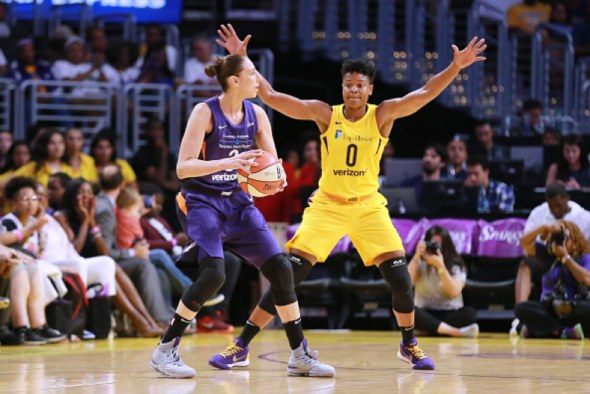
<point x="264" y="179"/>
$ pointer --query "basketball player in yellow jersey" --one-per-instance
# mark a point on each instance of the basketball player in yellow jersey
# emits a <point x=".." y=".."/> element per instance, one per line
<point x="347" y="202"/>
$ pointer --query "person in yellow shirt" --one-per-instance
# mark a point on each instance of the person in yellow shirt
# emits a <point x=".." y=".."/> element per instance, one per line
<point x="82" y="165"/>
<point x="526" y="16"/>
<point x="48" y="156"/>
<point x="18" y="155"/>
<point x="104" y="153"/>
<point x="352" y="138"/>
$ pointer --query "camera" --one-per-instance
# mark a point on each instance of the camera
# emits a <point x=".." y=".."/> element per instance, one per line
<point x="432" y="247"/>
<point x="558" y="238"/>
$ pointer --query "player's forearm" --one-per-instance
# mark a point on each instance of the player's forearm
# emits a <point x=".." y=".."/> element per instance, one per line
<point x="435" y="86"/>
<point x="265" y="89"/>
<point x="194" y="168"/>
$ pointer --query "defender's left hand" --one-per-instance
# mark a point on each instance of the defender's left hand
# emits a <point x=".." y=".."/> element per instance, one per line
<point x="469" y="55"/>
<point x="231" y="41"/>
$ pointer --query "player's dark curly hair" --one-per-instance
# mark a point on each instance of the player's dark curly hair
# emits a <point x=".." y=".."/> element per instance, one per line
<point x="361" y="66"/>
<point x="16" y="184"/>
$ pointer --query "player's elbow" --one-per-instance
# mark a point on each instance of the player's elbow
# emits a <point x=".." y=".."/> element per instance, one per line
<point x="181" y="170"/>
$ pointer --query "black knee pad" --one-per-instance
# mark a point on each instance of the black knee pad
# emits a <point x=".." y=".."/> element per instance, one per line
<point x="301" y="268"/>
<point x="279" y="273"/>
<point x="395" y="272"/>
<point x="209" y="282"/>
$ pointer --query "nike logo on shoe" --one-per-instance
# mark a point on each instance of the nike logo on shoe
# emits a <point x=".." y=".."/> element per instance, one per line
<point x="207" y="325"/>
<point x="239" y="358"/>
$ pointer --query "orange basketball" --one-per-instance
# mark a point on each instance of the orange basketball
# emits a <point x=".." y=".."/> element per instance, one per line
<point x="264" y="179"/>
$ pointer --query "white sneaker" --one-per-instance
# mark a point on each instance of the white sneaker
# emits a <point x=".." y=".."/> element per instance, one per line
<point x="470" y="331"/>
<point x="167" y="361"/>
<point x="303" y="363"/>
<point x="513" y="329"/>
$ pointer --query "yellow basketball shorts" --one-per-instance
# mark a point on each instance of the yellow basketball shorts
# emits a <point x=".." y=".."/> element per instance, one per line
<point x="367" y="224"/>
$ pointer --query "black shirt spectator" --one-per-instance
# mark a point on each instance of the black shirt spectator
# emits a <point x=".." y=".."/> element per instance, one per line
<point x="573" y="168"/>
<point x="485" y="143"/>
<point x="434" y="159"/>
<point x="456" y="167"/>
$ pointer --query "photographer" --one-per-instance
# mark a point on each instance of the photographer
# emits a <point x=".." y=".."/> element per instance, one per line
<point x="564" y="310"/>
<point x="438" y="274"/>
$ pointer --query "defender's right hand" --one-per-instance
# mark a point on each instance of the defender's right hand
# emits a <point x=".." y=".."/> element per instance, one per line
<point x="241" y="161"/>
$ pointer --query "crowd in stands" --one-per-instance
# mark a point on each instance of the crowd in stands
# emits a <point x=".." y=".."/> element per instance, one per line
<point x="67" y="57"/>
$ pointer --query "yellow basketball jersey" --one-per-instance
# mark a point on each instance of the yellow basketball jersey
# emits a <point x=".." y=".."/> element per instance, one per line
<point x="350" y="154"/>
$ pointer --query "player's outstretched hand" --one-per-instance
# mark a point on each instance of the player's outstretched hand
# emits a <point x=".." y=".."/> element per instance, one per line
<point x="241" y="161"/>
<point x="469" y="55"/>
<point x="231" y="42"/>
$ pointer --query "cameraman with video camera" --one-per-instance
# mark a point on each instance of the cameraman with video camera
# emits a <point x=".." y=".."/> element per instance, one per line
<point x="564" y="310"/>
<point x="438" y="274"/>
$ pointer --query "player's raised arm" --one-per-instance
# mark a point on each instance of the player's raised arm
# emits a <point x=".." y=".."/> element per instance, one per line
<point x="189" y="165"/>
<point x="396" y="108"/>
<point x="288" y="105"/>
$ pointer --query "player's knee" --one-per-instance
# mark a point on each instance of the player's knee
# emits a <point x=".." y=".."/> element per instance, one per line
<point x="301" y="267"/>
<point x="395" y="272"/>
<point x="210" y="280"/>
<point x="279" y="273"/>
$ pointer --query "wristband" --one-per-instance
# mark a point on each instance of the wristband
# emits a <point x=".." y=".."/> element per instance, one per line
<point x="95" y="229"/>
<point x="565" y="258"/>
<point x="441" y="270"/>
<point x="19" y="234"/>
<point x="174" y="242"/>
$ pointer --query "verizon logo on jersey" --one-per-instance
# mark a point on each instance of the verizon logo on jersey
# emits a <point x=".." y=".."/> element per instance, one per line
<point x="224" y="177"/>
<point x="349" y="172"/>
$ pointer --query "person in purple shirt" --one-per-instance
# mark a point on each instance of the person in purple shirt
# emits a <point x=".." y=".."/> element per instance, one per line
<point x="564" y="308"/>
<point x="216" y="213"/>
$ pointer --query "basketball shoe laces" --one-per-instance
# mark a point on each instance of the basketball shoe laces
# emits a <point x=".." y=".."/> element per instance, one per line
<point x="417" y="352"/>
<point x="231" y="350"/>
<point x="176" y="357"/>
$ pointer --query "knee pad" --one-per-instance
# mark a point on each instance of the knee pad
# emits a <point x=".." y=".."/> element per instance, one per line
<point x="395" y="272"/>
<point x="280" y="275"/>
<point x="209" y="282"/>
<point x="301" y="268"/>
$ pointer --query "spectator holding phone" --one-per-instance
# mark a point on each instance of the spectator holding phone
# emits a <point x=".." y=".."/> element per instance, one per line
<point x="438" y="274"/>
<point x="158" y="232"/>
<point x="564" y="308"/>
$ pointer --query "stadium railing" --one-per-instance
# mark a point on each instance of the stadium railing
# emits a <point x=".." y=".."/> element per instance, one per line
<point x="6" y="108"/>
<point x="125" y="23"/>
<point x="139" y="102"/>
<point x="553" y="70"/>
<point x="60" y="103"/>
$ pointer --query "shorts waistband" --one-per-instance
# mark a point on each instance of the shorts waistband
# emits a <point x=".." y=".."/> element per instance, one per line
<point x="348" y="199"/>
<point x="195" y="189"/>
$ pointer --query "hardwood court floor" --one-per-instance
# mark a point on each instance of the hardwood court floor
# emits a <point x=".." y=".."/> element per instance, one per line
<point x="365" y="363"/>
